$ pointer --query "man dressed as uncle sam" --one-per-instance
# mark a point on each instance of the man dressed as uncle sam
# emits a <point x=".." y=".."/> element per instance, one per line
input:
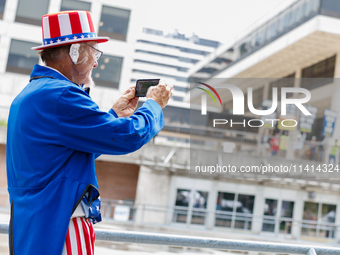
<point x="55" y="133"/>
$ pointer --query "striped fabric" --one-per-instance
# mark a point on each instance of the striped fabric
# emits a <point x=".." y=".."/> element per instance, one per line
<point x="65" y="26"/>
<point x="68" y="27"/>
<point x="80" y="237"/>
<point x="68" y="23"/>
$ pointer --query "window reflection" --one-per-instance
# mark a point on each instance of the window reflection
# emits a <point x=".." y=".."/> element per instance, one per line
<point x="270" y="209"/>
<point x="182" y="200"/>
<point x="194" y="209"/>
<point x="234" y="213"/>
<point x="21" y="58"/>
<point x="328" y="213"/>
<point x="114" y="23"/>
<point x="330" y="8"/>
<point x="310" y="211"/>
<point x="31" y="13"/>
<point x="225" y="202"/>
<point x="328" y="216"/>
<point x="67" y="5"/>
<point x="199" y="202"/>
<point x="245" y="207"/>
<point x="319" y="220"/>
<point x="2" y="8"/>
<point x="287" y="209"/>
<point x="271" y="219"/>
<point x="108" y="72"/>
<point x="324" y="70"/>
<point x="284" y="82"/>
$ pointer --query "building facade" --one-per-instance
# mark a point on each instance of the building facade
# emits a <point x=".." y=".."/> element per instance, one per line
<point x="299" y="48"/>
<point x="156" y="186"/>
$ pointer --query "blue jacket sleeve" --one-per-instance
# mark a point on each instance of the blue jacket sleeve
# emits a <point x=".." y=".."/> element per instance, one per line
<point x="82" y="126"/>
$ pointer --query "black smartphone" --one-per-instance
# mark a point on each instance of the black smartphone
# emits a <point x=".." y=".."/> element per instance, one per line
<point x="143" y="85"/>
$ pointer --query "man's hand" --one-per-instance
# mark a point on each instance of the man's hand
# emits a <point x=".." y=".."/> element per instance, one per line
<point x="126" y="104"/>
<point x="160" y="93"/>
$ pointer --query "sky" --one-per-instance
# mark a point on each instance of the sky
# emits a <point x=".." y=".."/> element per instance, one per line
<point x="219" y="20"/>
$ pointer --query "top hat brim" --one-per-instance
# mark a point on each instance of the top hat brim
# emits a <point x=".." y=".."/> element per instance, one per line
<point x="58" y="44"/>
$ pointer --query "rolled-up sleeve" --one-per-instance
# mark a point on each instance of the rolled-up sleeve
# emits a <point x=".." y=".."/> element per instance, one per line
<point x="82" y="126"/>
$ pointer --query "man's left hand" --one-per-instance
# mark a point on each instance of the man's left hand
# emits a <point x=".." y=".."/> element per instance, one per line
<point x="126" y="104"/>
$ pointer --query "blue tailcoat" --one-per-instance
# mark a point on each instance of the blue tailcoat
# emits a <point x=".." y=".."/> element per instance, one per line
<point x="55" y="132"/>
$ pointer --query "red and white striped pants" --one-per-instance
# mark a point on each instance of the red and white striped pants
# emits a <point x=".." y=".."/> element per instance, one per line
<point x="80" y="237"/>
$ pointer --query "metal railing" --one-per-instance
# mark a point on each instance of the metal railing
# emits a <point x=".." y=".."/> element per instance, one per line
<point x="201" y="242"/>
<point x="220" y="138"/>
<point x="242" y="223"/>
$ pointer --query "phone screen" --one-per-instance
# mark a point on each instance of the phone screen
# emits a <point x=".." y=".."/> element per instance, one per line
<point x="142" y="86"/>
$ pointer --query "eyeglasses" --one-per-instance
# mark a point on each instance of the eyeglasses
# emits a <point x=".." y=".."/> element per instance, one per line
<point x="98" y="53"/>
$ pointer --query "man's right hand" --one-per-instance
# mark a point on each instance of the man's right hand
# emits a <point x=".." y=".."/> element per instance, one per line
<point x="160" y="93"/>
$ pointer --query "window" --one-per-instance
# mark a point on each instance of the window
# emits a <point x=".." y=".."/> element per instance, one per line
<point x="114" y="23"/>
<point x="180" y="89"/>
<point x="322" y="73"/>
<point x="310" y="6"/>
<point x="298" y="13"/>
<point x="244" y="47"/>
<point x="177" y="98"/>
<point x="284" y="82"/>
<point x="295" y="15"/>
<point x="186" y="60"/>
<point x="275" y="221"/>
<point x="67" y="5"/>
<point x="330" y="8"/>
<point x="152" y="31"/>
<point x="108" y="72"/>
<point x="318" y="220"/>
<point x="286" y="21"/>
<point x="225" y="203"/>
<point x="287" y="209"/>
<point x="177" y="78"/>
<point x="31" y="13"/>
<point x="303" y="10"/>
<point x="2" y="8"/>
<point x="199" y="207"/>
<point x="182" y="49"/>
<point x="234" y="211"/>
<point x="181" y="204"/>
<point x="178" y="68"/>
<point x="208" y="43"/>
<point x="190" y="207"/>
<point x="257" y="97"/>
<point x="21" y="58"/>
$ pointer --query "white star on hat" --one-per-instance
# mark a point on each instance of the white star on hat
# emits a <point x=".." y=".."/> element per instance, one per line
<point x="82" y="36"/>
<point x="74" y="37"/>
<point x="58" y="40"/>
<point x="66" y="39"/>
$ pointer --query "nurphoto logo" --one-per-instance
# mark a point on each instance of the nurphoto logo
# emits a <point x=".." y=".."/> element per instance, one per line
<point x="238" y="99"/>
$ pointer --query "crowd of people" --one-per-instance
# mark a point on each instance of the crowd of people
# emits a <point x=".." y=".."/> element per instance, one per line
<point x="279" y="143"/>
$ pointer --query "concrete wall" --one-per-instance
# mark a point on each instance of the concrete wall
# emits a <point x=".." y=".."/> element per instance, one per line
<point x="153" y="189"/>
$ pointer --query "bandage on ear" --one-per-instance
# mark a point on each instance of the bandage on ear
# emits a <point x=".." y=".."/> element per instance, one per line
<point x="74" y="52"/>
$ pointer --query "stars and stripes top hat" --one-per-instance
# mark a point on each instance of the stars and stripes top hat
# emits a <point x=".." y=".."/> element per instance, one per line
<point x="67" y="27"/>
